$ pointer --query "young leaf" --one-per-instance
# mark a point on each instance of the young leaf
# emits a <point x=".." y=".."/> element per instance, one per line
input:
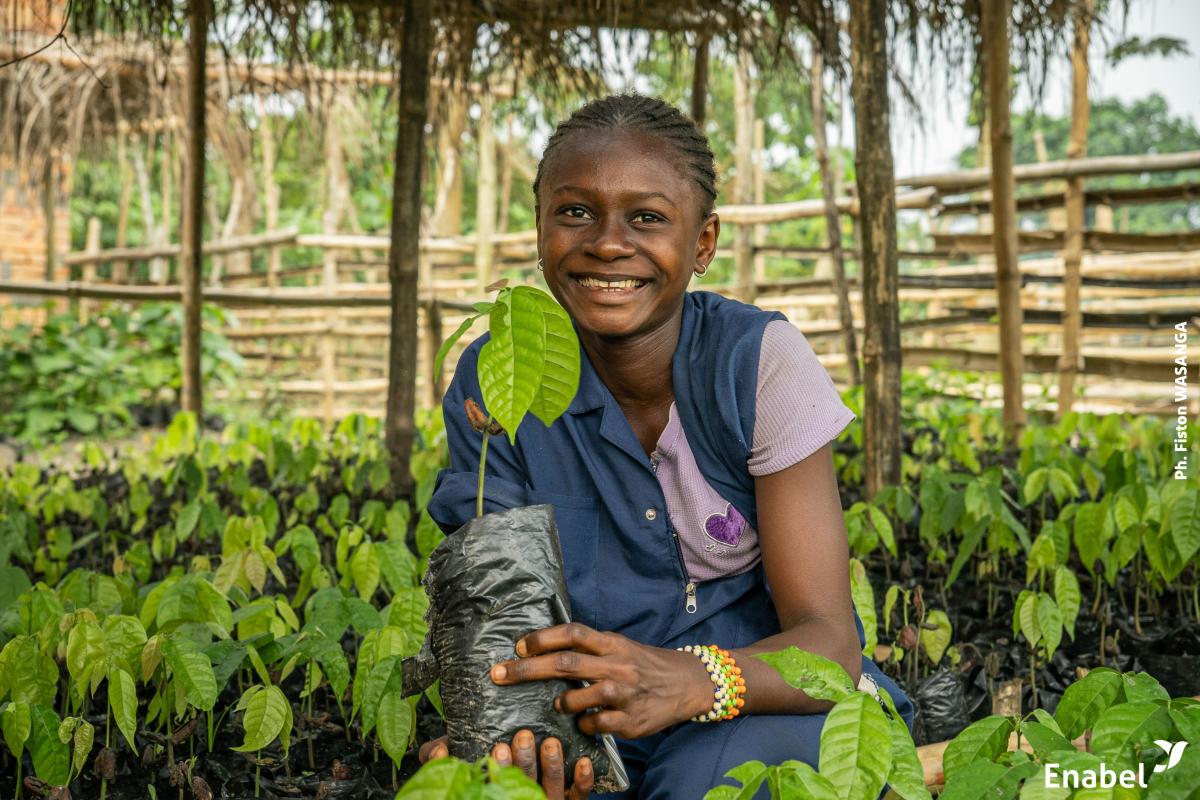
<point x="444" y="349"/>
<point x="511" y="362"/>
<point x="1125" y="724"/>
<point x="907" y="776"/>
<point x="1084" y="701"/>
<point x="856" y="748"/>
<point x="15" y="723"/>
<point x="122" y="696"/>
<point x="51" y="757"/>
<point x="936" y="641"/>
<point x="395" y="725"/>
<point x="266" y="713"/>
<point x="983" y="740"/>
<point x="798" y="779"/>
<point x="1044" y="739"/>
<point x="1068" y="597"/>
<point x="193" y="670"/>
<point x="560" y="372"/>
<point x="818" y="677"/>
<point x="1049" y="622"/>
<point x="864" y="602"/>
<point x="443" y="777"/>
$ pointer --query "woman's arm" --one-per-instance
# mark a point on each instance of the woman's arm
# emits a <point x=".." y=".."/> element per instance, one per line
<point x="806" y="557"/>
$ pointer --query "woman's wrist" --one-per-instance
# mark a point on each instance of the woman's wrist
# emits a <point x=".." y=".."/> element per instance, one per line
<point x="699" y="696"/>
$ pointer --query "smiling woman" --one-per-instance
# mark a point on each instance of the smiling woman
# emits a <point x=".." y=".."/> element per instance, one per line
<point x="692" y="471"/>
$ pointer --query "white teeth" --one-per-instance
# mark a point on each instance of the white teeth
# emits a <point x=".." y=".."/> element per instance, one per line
<point x="611" y="286"/>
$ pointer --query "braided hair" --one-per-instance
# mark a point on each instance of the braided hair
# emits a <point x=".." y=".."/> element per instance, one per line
<point x="635" y="112"/>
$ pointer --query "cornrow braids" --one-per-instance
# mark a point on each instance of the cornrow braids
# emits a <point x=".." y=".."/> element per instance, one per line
<point x="635" y="112"/>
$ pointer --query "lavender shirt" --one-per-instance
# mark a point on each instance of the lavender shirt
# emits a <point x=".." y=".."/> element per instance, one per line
<point x="798" y="411"/>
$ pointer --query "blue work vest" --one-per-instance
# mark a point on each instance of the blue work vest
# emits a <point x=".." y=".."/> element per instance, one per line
<point x="624" y="568"/>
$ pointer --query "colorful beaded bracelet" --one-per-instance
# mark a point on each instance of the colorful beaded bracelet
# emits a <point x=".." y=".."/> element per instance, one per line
<point x="727" y="675"/>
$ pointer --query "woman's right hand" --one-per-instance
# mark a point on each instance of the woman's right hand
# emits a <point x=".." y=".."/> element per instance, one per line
<point x="522" y="752"/>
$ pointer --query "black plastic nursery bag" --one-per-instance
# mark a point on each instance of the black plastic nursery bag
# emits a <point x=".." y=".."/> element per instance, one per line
<point x="494" y="580"/>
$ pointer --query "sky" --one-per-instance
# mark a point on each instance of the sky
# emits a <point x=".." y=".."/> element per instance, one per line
<point x="944" y="133"/>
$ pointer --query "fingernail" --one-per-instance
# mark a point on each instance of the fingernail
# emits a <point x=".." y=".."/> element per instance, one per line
<point x="521" y="648"/>
<point x="558" y="704"/>
<point x="524" y="740"/>
<point x="498" y="672"/>
<point x="552" y="749"/>
<point x="585" y="769"/>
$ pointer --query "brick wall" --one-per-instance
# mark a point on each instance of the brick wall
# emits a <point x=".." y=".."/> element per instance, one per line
<point x="23" y="244"/>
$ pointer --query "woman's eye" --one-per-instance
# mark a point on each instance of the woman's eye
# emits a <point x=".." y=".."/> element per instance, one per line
<point x="647" y="217"/>
<point x="576" y="212"/>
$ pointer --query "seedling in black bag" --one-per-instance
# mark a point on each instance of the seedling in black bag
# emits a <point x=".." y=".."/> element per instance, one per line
<point x="500" y="576"/>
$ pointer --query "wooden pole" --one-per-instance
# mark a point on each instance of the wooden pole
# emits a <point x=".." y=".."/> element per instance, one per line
<point x="49" y="202"/>
<point x="869" y="67"/>
<point x="1072" y="356"/>
<point x="192" y="248"/>
<point x="403" y="255"/>
<point x="337" y="194"/>
<point x="743" y="242"/>
<point x="433" y="340"/>
<point x="485" y="195"/>
<point x="700" y="83"/>
<point x="760" y="197"/>
<point x="833" y="227"/>
<point x="1004" y="214"/>
<point x="89" y="271"/>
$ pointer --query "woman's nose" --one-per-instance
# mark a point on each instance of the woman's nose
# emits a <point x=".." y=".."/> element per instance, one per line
<point x="611" y="240"/>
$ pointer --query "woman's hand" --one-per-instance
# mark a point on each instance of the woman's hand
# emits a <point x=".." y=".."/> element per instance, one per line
<point x="635" y="689"/>
<point x="553" y="777"/>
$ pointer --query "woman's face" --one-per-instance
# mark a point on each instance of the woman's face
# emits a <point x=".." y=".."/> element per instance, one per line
<point x="619" y="231"/>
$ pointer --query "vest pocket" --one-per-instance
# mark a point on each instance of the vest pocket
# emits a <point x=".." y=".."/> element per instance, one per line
<point x="577" y="519"/>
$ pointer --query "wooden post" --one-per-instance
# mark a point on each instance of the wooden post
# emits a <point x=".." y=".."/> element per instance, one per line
<point x="700" y="83"/>
<point x="485" y="195"/>
<point x="120" y="269"/>
<point x="869" y="67"/>
<point x="506" y="177"/>
<point x="403" y="255"/>
<point x="89" y="271"/>
<point x="166" y="192"/>
<point x="833" y="226"/>
<point x="266" y="138"/>
<point x="760" y="197"/>
<point x="1071" y="361"/>
<point x="433" y="340"/>
<point x="1004" y="214"/>
<point x="336" y="197"/>
<point x="743" y="243"/>
<point x="191" y="258"/>
<point x="446" y="219"/>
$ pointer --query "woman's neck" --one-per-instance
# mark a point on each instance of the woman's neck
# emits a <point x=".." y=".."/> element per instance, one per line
<point x="637" y="370"/>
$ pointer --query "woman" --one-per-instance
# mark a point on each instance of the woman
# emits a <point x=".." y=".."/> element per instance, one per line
<point x="692" y="470"/>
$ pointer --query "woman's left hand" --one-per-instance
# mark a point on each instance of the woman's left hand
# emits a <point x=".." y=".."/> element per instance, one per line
<point x="635" y="689"/>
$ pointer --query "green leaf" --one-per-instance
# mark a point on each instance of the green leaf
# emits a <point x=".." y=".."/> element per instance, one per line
<point x="560" y="372"/>
<point x="986" y="779"/>
<point x="1044" y="739"/>
<point x="185" y="523"/>
<point x="1035" y="484"/>
<point x="122" y="697"/>
<point x="750" y="775"/>
<point x="332" y="658"/>
<point x="444" y="349"/>
<point x="512" y="360"/>
<point x="983" y="740"/>
<point x="818" y="677"/>
<point x="798" y="779"/>
<point x="82" y="420"/>
<point x="882" y="526"/>
<point x="1027" y="618"/>
<point x="1068" y="597"/>
<point x="936" y="641"/>
<point x="907" y="776"/>
<point x="51" y="757"/>
<point x="266" y="712"/>
<point x="81" y="734"/>
<point x="1050" y="623"/>
<point x="398" y="565"/>
<point x="966" y="548"/>
<point x="856" y="748"/>
<point x="1085" y="700"/>
<point x="1036" y="789"/>
<point x="383" y="678"/>
<point x="1043" y="557"/>
<point x="1141" y="687"/>
<point x="15" y="723"/>
<point x="193" y="670"/>
<point x="365" y="570"/>
<point x="395" y="725"/>
<point x="864" y="603"/>
<point x="1125" y="724"/>
<point x="1089" y="535"/>
<point x="437" y="780"/>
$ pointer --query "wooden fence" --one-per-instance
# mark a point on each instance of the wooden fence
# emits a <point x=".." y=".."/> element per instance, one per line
<point x="319" y="344"/>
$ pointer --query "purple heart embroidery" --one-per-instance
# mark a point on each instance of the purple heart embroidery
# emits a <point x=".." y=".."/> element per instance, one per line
<point x="725" y="528"/>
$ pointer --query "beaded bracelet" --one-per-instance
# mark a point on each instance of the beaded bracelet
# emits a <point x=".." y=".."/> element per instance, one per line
<point x="727" y="675"/>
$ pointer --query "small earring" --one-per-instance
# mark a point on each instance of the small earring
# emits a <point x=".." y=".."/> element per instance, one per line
<point x="701" y="269"/>
<point x="541" y="266"/>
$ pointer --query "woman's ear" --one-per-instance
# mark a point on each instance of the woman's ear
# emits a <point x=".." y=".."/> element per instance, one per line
<point x="706" y="242"/>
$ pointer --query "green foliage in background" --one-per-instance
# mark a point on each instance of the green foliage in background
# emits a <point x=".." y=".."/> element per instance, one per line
<point x="84" y="377"/>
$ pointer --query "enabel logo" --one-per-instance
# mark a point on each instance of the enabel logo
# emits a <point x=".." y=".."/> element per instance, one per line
<point x="1174" y="751"/>
<point x="1106" y="778"/>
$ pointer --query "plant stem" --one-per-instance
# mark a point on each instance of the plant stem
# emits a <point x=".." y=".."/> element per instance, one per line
<point x="17" y="796"/>
<point x="482" y="465"/>
<point x="257" y="771"/>
<point x="107" y="724"/>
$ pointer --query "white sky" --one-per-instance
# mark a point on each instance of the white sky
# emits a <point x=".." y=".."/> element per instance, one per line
<point x="1178" y="79"/>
